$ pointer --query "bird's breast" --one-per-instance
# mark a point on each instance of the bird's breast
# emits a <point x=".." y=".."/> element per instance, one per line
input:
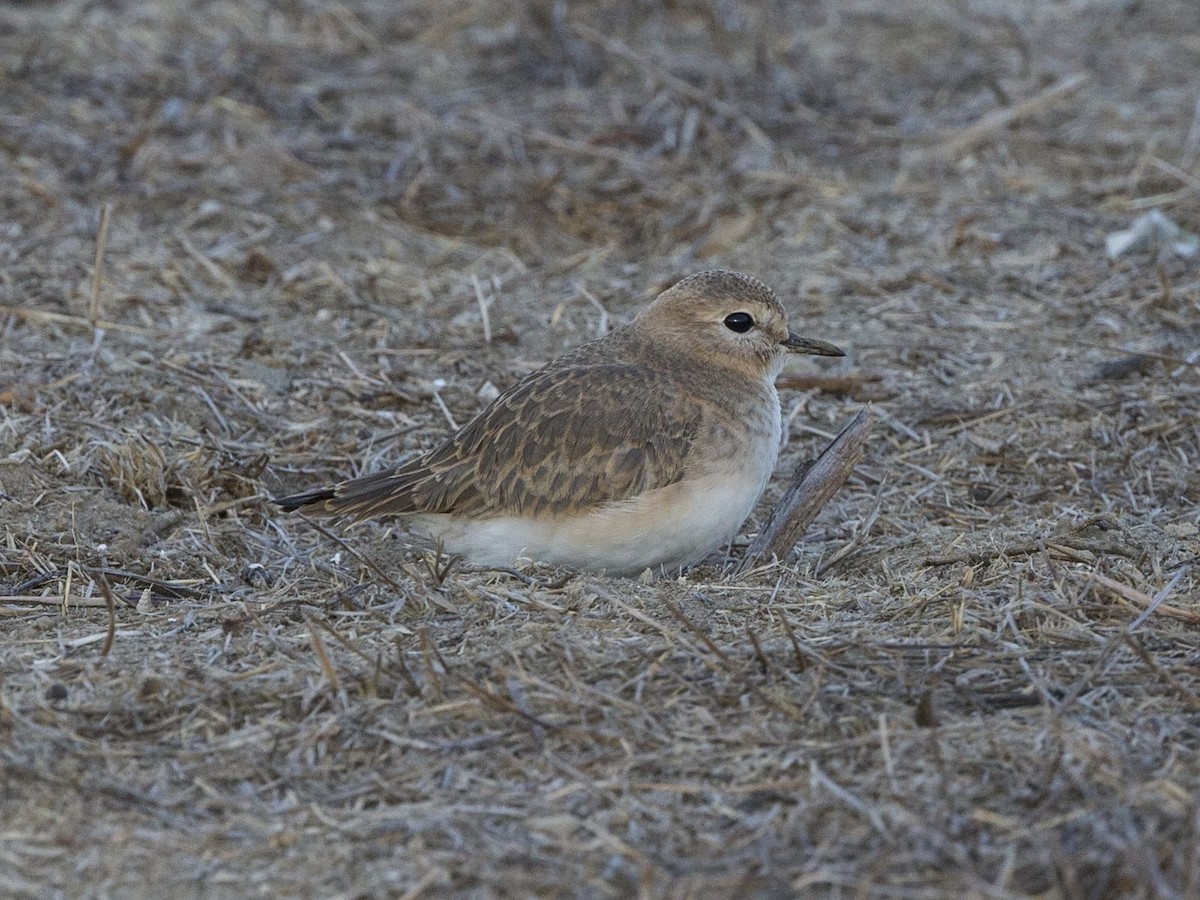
<point x="748" y="432"/>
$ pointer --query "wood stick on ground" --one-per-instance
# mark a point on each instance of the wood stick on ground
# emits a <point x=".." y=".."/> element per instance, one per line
<point x="858" y="385"/>
<point x="826" y="382"/>
<point x="98" y="266"/>
<point x="42" y="315"/>
<point x="1143" y="600"/>
<point x="675" y="83"/>
<point x="999" y="119"/>
<point x="810" y="490"/>
<point x="74" y="601"/>
<point x="111" y="605"/>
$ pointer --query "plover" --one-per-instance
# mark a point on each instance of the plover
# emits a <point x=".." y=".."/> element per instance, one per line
<point x="646" y="448"/>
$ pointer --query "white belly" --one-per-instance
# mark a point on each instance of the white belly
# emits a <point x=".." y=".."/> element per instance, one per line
<point x="665" y="529"/>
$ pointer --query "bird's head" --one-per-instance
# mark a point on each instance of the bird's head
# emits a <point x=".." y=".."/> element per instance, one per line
<point x="729" y="319"/>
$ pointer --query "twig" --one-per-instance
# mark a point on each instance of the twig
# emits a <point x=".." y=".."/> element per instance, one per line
<point x="322" y="656"/>
<point x="698" y="632"/>
<point x="857" y="385"/>
<point x="42" y="315"/>
<point x="861" y="530"/>
<point x="871" y="814"/>
<point x="602" y="326"/>
<point x="811" y="488"/>
<point x="214" y="272"/>
<point x="564" y="144"/>
<point x="38" y="600"/>
<point x="1145" y="601"/>
<point x="365" y="560"/>
<point x="111" y="606"/>
<point x="763" y="662"/>
<point x="999" y="119"/>
<point x="425" y="882"/>
<point x="675" y="83"/>
<point x="98" y="265"/>
<point x="1124" y="635"/>
<point x="1186" y="177"/>
<point x="491" y="698"/>
<point x="66" y="593"/>
<point x="483" y="309"/>
<point x="441" y="405"/>
<point x="1148" y="659"/>
<point x="1156" y="602"/>
<point x="1134" y="357"/>
<point x="801" y="659"/>
<point x="171" y="589"/>
<point x="1063" y="548"/>
<point x="1113" y="369"/>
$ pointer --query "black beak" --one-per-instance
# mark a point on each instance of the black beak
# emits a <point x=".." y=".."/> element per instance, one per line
<point x="798" y="344"/>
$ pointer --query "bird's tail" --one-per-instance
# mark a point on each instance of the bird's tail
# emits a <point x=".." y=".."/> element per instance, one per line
<point x="309" y="501"/>
<point x="371" y="495"/>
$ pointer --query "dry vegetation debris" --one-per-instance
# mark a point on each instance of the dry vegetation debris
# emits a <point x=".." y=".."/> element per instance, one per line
<point x="980" y="674"/>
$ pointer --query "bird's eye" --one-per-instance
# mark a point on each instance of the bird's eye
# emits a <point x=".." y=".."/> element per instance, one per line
<point x="739" y="321"/>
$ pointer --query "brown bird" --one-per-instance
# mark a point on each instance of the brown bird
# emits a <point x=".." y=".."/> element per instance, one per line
<point x="647" y="448"/>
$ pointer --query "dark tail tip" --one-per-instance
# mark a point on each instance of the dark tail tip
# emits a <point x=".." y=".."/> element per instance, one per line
<point x="308" y="498"/>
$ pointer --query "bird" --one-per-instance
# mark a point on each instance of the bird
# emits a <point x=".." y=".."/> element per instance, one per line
<point x="646" y="448"/>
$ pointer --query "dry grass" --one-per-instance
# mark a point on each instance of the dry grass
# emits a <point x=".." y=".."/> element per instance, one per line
<point x="979" y="676"/>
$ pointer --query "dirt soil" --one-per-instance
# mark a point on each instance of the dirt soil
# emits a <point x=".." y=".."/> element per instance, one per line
<point x="979" y="674"/>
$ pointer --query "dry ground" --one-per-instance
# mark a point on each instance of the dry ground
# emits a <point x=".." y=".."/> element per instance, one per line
<point x="949" y="690"/>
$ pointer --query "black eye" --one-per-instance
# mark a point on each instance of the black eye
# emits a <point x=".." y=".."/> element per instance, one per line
<point x="739" y="322"/>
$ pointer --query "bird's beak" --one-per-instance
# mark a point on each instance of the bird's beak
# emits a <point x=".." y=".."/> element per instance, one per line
<point x="798" y="344"/>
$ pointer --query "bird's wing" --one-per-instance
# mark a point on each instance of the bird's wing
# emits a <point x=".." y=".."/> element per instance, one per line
<point x="559" y="441"/>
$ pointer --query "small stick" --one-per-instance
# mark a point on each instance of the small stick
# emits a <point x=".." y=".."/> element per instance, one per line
<point x="214" y="271"/>
<point x="42" y="315"/>
<point x="999" y="119"/>
<point x="98" y="265"/>
<point x="602" y="327"/>
<point x="675" y="83"/>
<point x="37" y="600"/>
<point x="811" y="488"/>
<point x="441" y="404"/>
<point x="826" y="382"/>
<point x="562" y="144"/>
<point x="365" y="560"/>
<point x="698" y="632"/>
<point x="318" y="646"/>
<point x="858" y="385"/>
<point x="173" y="589"/>
<point x="67" y="587"/>
<point x="1064" y="541"/>
<point x="1145" y="601"/>
<point x="1186" y="177"/>
<point x="483" y="309"/>
<point x="110" y="604"/>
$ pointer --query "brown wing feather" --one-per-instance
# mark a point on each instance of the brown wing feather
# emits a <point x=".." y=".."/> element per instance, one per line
<point x="560" y="440"/>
